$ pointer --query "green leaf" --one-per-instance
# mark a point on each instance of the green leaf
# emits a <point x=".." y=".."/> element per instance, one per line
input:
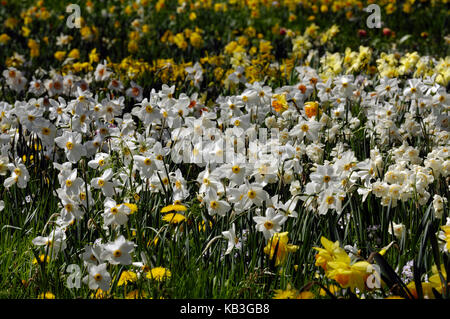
<point x="404" y="38"/>
<point x="391" y="278"/>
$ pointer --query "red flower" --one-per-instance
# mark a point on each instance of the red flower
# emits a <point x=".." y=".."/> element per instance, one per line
<point x="387" y="32"/>
<point x="362" y="33"/>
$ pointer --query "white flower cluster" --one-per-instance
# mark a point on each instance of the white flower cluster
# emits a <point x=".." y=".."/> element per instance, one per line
<point x="306" y="150"/>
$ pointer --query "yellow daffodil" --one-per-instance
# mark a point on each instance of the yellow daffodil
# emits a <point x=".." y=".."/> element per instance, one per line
<point x="278" y="246"/>
<point x="279" y="103"/>
<point x="347" y="275"/>
<point x="330" y="252"/>
<point x="426" y="290"/>
<point x="435" y="278"/>
<point x="34" y="48"/>
<point x="334" y="289"/>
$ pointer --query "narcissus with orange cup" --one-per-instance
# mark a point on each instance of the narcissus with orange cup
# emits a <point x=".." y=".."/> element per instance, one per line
<point x="279" y="103"/>
<point x="311" y="109"/>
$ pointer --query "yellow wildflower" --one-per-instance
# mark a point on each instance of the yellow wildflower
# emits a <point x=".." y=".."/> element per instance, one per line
<point x="159" y="273"/>
<point x="41" y="260"/>
<point x="4" y="38"/>
<point x="135" y="294"/>
<point x="177" y="208"/>
<point x="126" y="277"/>
<point x="93" y="56"/>
<point x="46" y="295"/>
<point x="174" y="218"/>
<point x="74" y="54"/>
<point x="60" y="55"/>
<point x="285" y="294"/>
<point x="196" y="40"/>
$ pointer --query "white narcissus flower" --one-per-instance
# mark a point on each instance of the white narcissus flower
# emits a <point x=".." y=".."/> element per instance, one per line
<point x="19" y="176"/>
<point x="4" y="161"/>
<point x="208" y="181"/>
<point x="387" y="87"/>
<point x="115" y="85"/>
<point x="214" y="205"/>
<point x="396" y="229"/>
<point x="71" y="143"/>
<point x="444" y="237"/>
<point x="103" y="183"/>
<point x="145" y="164"/>
<point x="93" y="252"/>
<point x="71" y="205"/>
<point x="46" y="131"/>
<point x="328" y="199"/>
<point x="180" y="190"/>
<point x="269" y="224"/>
<point x="309" y="129"/>
<point x="101" y="159"/>
<point x="54" y="243"/>
<point x="118" y="252"/>
<point x="142" y="265"/>
<point x="15" y="80"/>
<point x="115" y="214"/>
<point x="288" y="208"/>
<point x="98" y="277"/>
<point x="233" y="241"/>
<point x="237" y="196"/>
<point x="438" y="205"/>
<point x="102" y="73"/>
<point x="71" y="184"/>
<point x="135" y="91"/>
<point x="148" y="113"/>
<point x="414" y="90"/>
<point x="36" y="87"/>
<point x="55" y="86"/>
<point x="256" y="193"/>
<point x="324" y="176"/>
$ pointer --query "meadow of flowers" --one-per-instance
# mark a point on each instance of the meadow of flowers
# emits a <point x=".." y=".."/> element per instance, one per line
<point x="224" y="149"/>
